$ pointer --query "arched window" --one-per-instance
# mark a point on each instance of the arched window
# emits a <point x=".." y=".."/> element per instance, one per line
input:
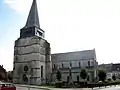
<point x="54" y="66"/>
<point x="88" y="63"/>
<point x="62" y="65"/>
<point x="67" y="78"/>
<point x="77" y="78"/>
<point x="79" y="64"/>
<point x="70" y="64"/>
<point x="14" y="67"/>
<point x="41" y="71"/>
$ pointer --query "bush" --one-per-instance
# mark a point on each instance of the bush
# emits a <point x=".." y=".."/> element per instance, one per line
<point x="58" y="75"/>
<point x="114" y="77"/>
<point x="58" y="84"/>
<point x="109" y="79"/>
<point x="116" y="82"/>
<point x="83" y="74"/>
<point x="48" y="85"/>
<point x="102" y="75"/>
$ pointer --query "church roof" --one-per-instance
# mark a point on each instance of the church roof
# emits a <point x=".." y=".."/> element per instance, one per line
<point x="76" y="55"/>
<point x="33" y="18"/>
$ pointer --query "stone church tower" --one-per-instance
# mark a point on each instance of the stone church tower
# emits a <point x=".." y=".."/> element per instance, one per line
<point x="32" y="55"/>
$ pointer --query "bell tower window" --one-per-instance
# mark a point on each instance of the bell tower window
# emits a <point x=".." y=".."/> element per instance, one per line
<point x="38" y="33"/>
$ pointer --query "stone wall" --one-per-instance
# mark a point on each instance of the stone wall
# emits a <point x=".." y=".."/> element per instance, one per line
<point x="32" y="52"/>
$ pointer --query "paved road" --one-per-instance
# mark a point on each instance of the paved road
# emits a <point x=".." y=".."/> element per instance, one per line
<point x="108" y="88"/>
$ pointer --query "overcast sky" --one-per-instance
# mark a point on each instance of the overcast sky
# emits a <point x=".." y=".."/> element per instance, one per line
<point x="69" y="25"/>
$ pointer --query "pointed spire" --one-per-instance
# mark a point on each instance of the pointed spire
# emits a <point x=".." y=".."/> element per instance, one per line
<point x="33" y="18"/>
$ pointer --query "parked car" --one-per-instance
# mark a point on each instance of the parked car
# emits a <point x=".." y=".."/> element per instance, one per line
<point x="7" y="86"/>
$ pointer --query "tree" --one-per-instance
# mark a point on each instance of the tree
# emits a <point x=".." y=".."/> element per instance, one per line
<point x="109" y="79"/>
<point x="83" y="74"/>
<point x="114" y="77"/>
<point x="10" y="75"/>
<point x="101" y="75"/>
<point x="2" y="76"/>
<point x="58" y="75"/>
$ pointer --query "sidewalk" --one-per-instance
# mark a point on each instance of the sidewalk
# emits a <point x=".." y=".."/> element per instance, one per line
<point x="32" y="86"/>
<point x="96" y="88"/>
<point x="48" y="88"/>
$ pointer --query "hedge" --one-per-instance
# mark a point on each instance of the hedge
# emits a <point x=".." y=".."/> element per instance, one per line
<point x="85" y="85"/>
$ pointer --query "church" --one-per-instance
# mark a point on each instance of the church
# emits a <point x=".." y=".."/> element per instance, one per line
<point x="34" y="64"/>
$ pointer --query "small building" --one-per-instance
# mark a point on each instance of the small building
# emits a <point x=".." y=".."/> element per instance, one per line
<point x="111" y="69"/>
<point x="116" y="70"/>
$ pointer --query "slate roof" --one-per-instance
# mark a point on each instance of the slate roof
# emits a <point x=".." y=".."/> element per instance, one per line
<point x="76" y="55"/>
<point x="33" y="18"/>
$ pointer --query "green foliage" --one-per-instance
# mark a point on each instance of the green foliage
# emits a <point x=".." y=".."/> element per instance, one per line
<point x="2" y="76"/>
<point x="58" y="75"/>
<point x="109" y="79"/>
<point x="10" y="75"/>
<point x="49" y="85"/>
<point x="100" y="82"/>
<point x="101" y="75"/>
<point x="58" y="84"/>
<point x="83" y="74"/>
<point x="117" y="80"/>
<point x="114" y="77"/>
